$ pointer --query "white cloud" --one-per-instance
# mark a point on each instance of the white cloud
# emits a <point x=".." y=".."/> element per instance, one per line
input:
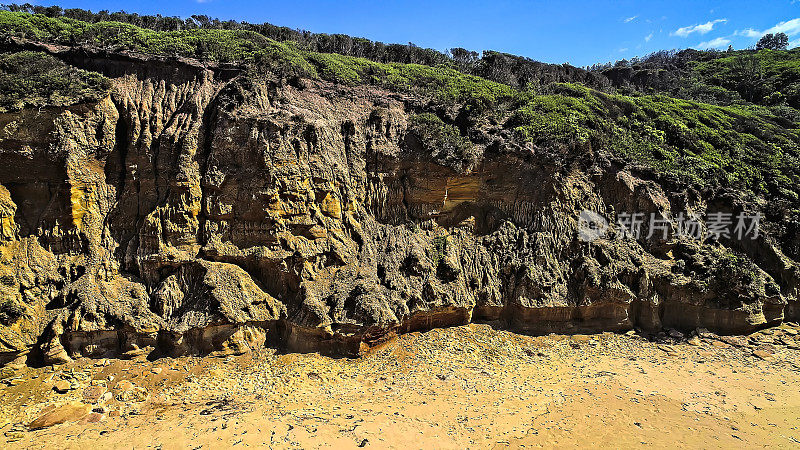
<point x="630" y="19"/>
<point x="623" y="50"/>
<point x="749" y="32"/>
<point x="714" y="43"/>
<point x="648" y="37"/>
<point x="795" y="43"/>
<point x="702" y="28"/>
<point x="790" y="27"/>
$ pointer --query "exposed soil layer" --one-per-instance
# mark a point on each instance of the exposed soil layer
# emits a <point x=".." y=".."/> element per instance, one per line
<point x="197" y="211"/>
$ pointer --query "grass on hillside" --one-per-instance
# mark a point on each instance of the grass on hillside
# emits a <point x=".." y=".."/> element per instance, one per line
<point x="36" y="79"/>
<point x="743" y="148"/>
<point x="767" y="77"/>
<point x="443" y="83"/>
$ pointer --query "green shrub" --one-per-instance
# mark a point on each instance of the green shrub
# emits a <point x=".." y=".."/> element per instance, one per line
<point x="36" y="79"/>
<point x="744" y="148"/>
<point x="765" y="77"/>
<point x="443" y="142"/>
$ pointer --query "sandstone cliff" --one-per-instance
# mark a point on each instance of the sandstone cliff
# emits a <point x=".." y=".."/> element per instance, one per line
<point x="200" y="209"/>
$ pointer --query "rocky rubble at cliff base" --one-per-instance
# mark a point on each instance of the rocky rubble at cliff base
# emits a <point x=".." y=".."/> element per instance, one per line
<point x="700" y="387"/>
<point x="194" y="211"/>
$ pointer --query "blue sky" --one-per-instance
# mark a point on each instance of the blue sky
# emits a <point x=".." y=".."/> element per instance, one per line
<point x="580" y="32"/>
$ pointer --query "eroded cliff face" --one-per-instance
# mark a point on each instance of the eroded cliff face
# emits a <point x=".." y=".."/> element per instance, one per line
<point x="202" y="211"/>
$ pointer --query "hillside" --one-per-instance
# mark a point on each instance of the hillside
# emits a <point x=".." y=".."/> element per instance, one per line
<point x="213" y="190"/>
<point x="764" y="77"/>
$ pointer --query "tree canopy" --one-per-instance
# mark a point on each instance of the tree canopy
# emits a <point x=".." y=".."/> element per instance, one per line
<point x="777" y="41"/>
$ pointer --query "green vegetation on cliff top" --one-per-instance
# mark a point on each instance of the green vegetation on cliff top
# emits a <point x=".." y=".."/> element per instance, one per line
<point x="746" y="148"/>
<point x="224" y="46"/>
<point x="33" y="79"/>
<point x="768" y="77"/>
<point x="742" y="148"/>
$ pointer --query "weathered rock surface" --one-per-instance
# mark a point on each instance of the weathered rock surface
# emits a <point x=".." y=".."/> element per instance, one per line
<point x="54" y="415"/>
<point x="196" y="210"/>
